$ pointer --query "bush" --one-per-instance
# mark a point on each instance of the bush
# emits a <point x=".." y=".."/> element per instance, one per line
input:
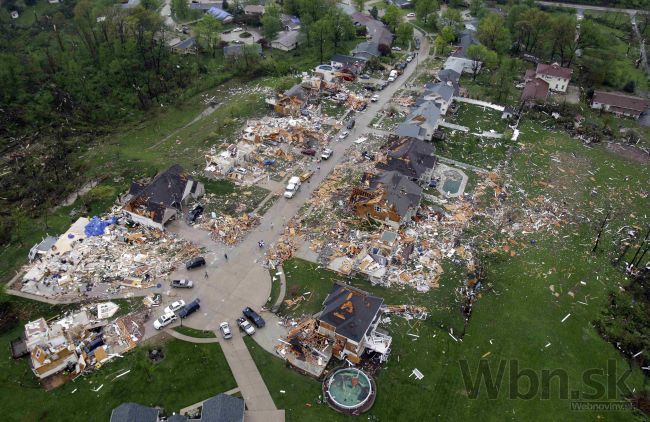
<point x="245" y="35"/>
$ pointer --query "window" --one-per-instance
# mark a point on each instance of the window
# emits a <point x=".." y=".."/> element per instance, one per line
<point x="378" y="209"/>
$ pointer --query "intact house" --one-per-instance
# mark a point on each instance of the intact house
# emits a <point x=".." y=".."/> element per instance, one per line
<point x="556" y="76"/>
<point x="459" y="61"/>
<point x="377" y="32"/>
<point x="236" y="52"/>
<point x="156" y="203"/>
<point x="220" y="408"/>
<point x="254" y="10"/>
<point x="410" y="157"/>
<point x="286" y="40"/>
<point x="450" y="76"/>
<point x="619" y="103"/>
<point x="389" y="198"/>
<point x="440" y="93"/>
<point x="366" y="50"/>
<point x="422" y="122"/>
<point x="187" y="46"/>
<point x="349" y="318"/>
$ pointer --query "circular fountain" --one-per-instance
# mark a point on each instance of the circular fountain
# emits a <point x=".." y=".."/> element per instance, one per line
<point x="349" y="390"/>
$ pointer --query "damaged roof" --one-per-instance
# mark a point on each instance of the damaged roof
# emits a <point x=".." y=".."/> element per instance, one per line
<point x="165" y="191"/>
<point x="399" y="191"/>
<point x="351" y="311"/>
<point x="410" y="157"/>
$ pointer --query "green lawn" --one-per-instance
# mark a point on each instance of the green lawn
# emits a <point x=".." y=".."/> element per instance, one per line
<point x="193" y="332"/>
<point x="179" y="380"/>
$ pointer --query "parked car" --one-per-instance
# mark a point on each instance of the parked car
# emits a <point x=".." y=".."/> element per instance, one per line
<point x="174" y="306"/>
<point x="350" y="124"/>
<point x="195" y="262"/>
<point x="238" y="29"/>
<point x="182" y="284"/>
<point x="195" y="213"/>
<point x="368" y="156"/>
<point x="409" y="59"/>
<point x="383" y="85"/>
<point x="326" y="154"/>
<point x="369" y="87"/>
<point x="375" y="98"/>
<point x="245" y="326"/>
<point x="227" y="31"/>
<point x="396" y="48"/>
<point x="364" y="76"/>
<point x="224" y="327"/>
<point x="410" y="15"/>
<point x="189" y="309"/>
<point x="164" y="320"/>
<point x="343" y="135"/>
<point x="254" y="316"/>
<point x="293" y="186"/>
<point x="309" y="151"/>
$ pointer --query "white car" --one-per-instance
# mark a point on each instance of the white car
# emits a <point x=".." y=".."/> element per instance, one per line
<point x="375" y="98"/>
<point x="343" y="135"/>
<point x="225" y="330"/>
<point x="238" y="29"/>
<point x="175" y="306"/>
<point x="246" y="326"/>
<point x="164" y="320"/>
<point x="396" y="48"/>
<point x="409" y="59"/>
<point x="410" y="15"/>
<point x="327" y="153"/>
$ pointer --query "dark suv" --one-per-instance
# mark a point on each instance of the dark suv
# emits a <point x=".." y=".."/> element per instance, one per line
<point x="196" y="262"/>
<point x="189" y="309"/>
<point x="350" y="124"/>
<point x="254" y="316"/>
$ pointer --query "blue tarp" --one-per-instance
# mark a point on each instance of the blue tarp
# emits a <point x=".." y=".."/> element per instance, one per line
<point x="96" y="226"/>
<point x="220" y="14"/>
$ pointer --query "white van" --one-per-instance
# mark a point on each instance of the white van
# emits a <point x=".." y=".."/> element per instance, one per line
<point x="392" y="75"/>
<point x="292" y="187"/>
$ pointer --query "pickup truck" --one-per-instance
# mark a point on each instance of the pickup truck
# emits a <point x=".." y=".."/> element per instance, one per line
<point x="182" y="284"/>
<point x="392" y="76"/>
<point x="326" y="154"/>
<point x="292" y="187"/>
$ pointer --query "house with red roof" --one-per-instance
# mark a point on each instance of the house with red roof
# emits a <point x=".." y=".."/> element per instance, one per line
<point x="619" y="103"/>
<point x="536" y="89"/>
<point x="558" y="77"/>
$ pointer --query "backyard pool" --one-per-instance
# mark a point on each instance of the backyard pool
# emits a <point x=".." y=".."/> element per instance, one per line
<point x="349" y="389"/>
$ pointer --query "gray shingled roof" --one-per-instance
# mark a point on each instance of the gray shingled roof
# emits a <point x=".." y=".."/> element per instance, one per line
<point x="401" y="192"/>
<point x="223" y="408"/>
<point x="410" y="157"/>
<point x="133" y="412"/>
<point x="351" y="311"/>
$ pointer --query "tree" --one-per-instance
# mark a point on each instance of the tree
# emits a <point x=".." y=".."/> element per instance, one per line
<point x="207" y="33"/>
<point x="392" y="17"/>
<point x="341" y="29"/>
<point x="476" y="7"/>
<point x="493" y="33"/>
<point x="501" y="83"/>
<point x="562" y="37"/>
<point x="360" y="4"/>
<point x="630" y="86"/>
<point x="424" y="9"/>
<point x="443" y="39"/>
<point x="180" y="8"/>
<point x="374" y="12"/>
<point x="271" y="23"/>
<point x="320" y="33"/>
<point x="531" y="26"/>
<point x="453" y="19"/>
<point x="404" y="34"/>
<point x="480" y="56"/>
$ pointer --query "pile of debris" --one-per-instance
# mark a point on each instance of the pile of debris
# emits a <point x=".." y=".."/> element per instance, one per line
<point x="101" y="263"/>
<point x="285" y="247"/>
<point x="230" y="230"/>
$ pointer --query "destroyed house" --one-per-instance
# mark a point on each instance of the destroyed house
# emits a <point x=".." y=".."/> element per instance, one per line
<point x="410" y="157"/>
<point x="291" y="101"/>
<point x="156" y="203"/>
<point x="49" y="349"/>
<point x="390" y="198"/>
<point x="343" y="62"/>
<point x="349" y="317"/>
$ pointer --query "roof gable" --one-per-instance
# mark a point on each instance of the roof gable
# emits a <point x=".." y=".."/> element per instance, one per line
<point x="351" y="311"/>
